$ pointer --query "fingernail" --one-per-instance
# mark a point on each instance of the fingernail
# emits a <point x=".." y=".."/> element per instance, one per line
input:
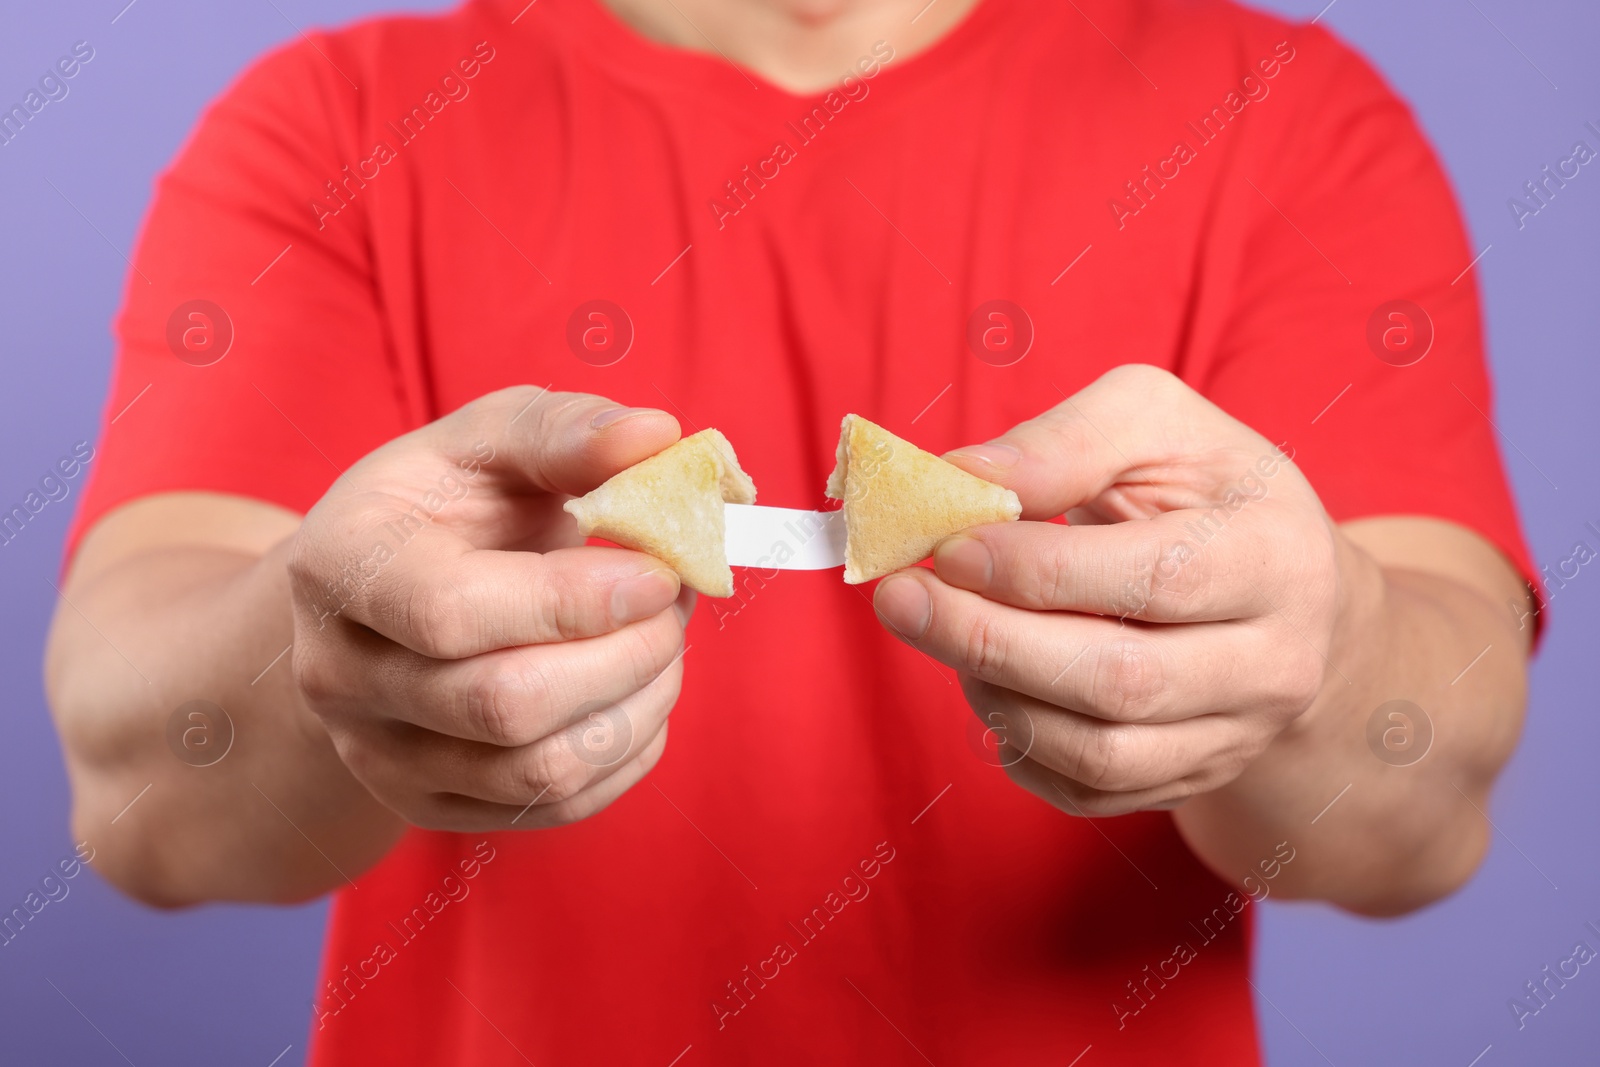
<point x="964" y="562"/>
<point x="643" y="595"/>
<point x="1001" y="457"/>
<point x="611" y="415"/>
<point x="904" y="604"/>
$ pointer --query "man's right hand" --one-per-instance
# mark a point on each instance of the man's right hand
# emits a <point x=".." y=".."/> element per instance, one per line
<point x="460" y="659"/>
<point x="476" y="666"/>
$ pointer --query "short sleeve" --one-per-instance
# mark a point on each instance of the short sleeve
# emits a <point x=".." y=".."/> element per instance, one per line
<point x="1354" y="335"/>
<point x="251" y="353"/>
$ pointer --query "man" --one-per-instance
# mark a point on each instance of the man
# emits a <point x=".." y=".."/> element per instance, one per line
<point x="1181" y="272"/>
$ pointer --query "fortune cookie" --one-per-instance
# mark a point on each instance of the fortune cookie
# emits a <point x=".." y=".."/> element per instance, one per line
<point x="899" y="501"/>
<point x="670" y="506"/>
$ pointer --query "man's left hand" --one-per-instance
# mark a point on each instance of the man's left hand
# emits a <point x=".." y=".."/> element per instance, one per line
<point x="1155" y="647"/>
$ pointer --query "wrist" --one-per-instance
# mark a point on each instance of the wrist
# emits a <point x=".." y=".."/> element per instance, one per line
<point x="1357" y="640"/>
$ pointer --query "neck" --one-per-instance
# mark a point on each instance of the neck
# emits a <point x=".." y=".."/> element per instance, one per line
<point x="799" y="45"/>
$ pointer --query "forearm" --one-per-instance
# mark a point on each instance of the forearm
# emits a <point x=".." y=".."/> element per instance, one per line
<point x="278" y="817"/>
<point x="1373" y="831"/>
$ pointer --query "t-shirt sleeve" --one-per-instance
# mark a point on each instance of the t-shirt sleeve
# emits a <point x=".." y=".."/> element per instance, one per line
<point x="251" y="351"/>
<point x="1354" y="334"/>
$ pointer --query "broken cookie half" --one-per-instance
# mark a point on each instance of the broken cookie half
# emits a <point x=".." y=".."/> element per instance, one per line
<point x="900" y="502"/>
<point x="670" y="506"/>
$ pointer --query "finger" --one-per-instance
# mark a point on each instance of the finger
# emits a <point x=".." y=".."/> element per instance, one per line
<point x="510" y="697"/>
<point x="1076" y="799"/>
<point x="445" y="811"/>
<point x="1099" y="666"/>
<point x="418" y="503"/>
<point x="553" y="442"/>
<point x="401" y="759"/>
<point x="1201" y="753"/>
<point x="498" y="470"/>
<point x="1129" y="420"/>
<point x="400" y="573"/>
<point x="443" y="598"/>
<point x="1181" y="567"/>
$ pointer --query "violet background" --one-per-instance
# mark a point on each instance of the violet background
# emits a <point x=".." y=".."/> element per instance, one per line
<point x="232" y="985"/>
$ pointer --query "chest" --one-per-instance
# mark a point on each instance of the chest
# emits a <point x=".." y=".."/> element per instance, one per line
<point x="941" y="262"/>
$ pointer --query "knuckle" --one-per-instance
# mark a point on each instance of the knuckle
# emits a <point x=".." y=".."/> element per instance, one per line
<point x="1117" y="770"/>
<point x="1013" y="729"/>
<point x="493" y="706"/>
<point x="1127" y="679"/>
<point x="303" y="563"/>
<point x="314" y="674"/>
<point x="564" y="614"/>
<point x="551" y="426"/>
<point x="653" y="751"/>
<point x="1174" y="575"/>
<point x="550" y="775"/>
<point x="360" y="757"/>
<point x="1100" y="763"/>
<point x="1300" y="679"/>
<point x="661" y="694"/>
<point x="1227" y="766"/>
<point x="1180" y="793"/>
<point x="316" y="582"/>
<point x="1099" y="805"/>
<point x="1075" y="798"/>
<point x="547" y="406"/>
<point x="985" y="653"/>
<point x="490" y="409"/>
<point x="1051" y="582"/>
<point x="585" y="802"/>
<point x="433" y="615"/>
<point x="566" y="812"/>
<point x="513" y="397"/>
<point x="1142" y="376"/>
<point x="1157" y="380"/>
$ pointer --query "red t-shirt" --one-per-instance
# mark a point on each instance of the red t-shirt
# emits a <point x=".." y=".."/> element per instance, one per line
<point x="823" y="868"/>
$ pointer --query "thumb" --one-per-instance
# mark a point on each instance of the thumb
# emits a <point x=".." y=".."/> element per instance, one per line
<point x="554" y="442"/>
<point x="1124" y="427"/>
